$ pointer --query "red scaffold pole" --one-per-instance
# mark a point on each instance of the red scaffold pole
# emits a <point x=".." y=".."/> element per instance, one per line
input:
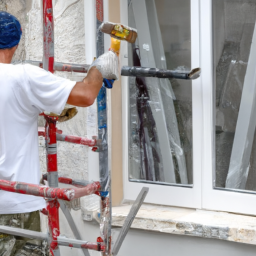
<point x="77" y="140"/>
<point x="66" y="194"/>
<point x="52" y="169"/>
<point x="48" y="30"/>
<point x="71" y="138"/>
<point x="50" y="130"/>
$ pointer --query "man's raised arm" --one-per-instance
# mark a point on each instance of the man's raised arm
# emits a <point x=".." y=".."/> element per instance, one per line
<point x="84" y="93"/>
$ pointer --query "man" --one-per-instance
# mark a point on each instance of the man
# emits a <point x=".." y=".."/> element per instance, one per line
<point x="25" y="92"/>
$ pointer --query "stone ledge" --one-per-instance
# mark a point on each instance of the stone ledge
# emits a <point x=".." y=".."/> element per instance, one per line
<point x="199" y="223"/>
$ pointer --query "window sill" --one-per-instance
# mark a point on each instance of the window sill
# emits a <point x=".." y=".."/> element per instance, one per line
<point x="182" y="221"/>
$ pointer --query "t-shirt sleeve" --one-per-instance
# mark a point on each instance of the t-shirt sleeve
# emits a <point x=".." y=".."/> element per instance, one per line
<point x="45" y="91"/>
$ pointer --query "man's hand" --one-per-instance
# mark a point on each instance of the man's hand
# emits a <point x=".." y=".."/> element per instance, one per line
<point x="107" y="64"/>
<point x="84" y="93"/>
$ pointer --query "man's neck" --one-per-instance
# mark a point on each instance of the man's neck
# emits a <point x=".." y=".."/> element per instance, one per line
<point x="6" y="55"/>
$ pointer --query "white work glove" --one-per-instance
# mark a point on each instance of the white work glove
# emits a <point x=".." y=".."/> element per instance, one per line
<point x="108" y="65"/>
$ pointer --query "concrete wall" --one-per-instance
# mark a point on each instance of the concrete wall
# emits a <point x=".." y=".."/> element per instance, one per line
<point x="142" y="243"/>
<point x="150" y="244"/>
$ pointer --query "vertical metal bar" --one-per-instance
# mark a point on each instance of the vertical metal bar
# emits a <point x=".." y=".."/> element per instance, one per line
<point x="52" y="169"/>
<point x="54" y="229"/>
<point x="103" y="137"/>
<point x="51" y="151"/>
<point x="50" y="129"/>
<point x="48" y="33"/>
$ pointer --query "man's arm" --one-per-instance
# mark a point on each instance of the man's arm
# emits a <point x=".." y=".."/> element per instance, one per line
<point x="84" y="93"/>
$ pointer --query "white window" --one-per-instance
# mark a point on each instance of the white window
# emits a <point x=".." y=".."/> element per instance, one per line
<point x="192" y="142"/>
<point x="228" y="52"/>
<point x="162" y="117"/>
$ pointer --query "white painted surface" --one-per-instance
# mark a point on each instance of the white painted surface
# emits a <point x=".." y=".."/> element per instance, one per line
<point x="150" y="244"/>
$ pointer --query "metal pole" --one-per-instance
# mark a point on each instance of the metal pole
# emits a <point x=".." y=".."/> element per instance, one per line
<point x="80" y="244"/>
<point x="105" y="177"/>
<point x="59" y="66"/>
<point x="64" y="241"/>
<point x="126" y="71"/>
<point x="50" y="129"/>
<point x="48" y="33"/>
<point x="66" y="194"/>
<point x="52" y="169"/>
<point x="160" y="73"/>
<point x="77" y="140"/>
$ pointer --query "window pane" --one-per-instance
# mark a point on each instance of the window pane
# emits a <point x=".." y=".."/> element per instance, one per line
<point x="235" y="72"/>
<point x="160" y="110"/>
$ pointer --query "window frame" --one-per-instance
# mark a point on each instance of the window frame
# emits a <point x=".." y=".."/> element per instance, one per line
<point x="184" y="196"/>
<point x="214" y="198"/>
<point x="203" y="195"/>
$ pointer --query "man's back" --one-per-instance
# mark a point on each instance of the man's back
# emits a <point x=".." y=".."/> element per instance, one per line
<point x="25" y="91"/>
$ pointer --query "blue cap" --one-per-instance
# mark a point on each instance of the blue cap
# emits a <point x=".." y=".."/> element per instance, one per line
<point x="10" y="30"/>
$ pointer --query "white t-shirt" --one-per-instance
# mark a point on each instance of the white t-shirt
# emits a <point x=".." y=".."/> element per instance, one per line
<point x="25" y="92"/>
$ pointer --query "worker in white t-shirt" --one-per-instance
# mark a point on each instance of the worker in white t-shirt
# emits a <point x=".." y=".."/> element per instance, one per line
<point x="25" y="92"/>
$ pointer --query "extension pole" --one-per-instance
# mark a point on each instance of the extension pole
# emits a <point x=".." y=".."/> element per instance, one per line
<point x="127" y="71"/>
<point x="160" y="73"/>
